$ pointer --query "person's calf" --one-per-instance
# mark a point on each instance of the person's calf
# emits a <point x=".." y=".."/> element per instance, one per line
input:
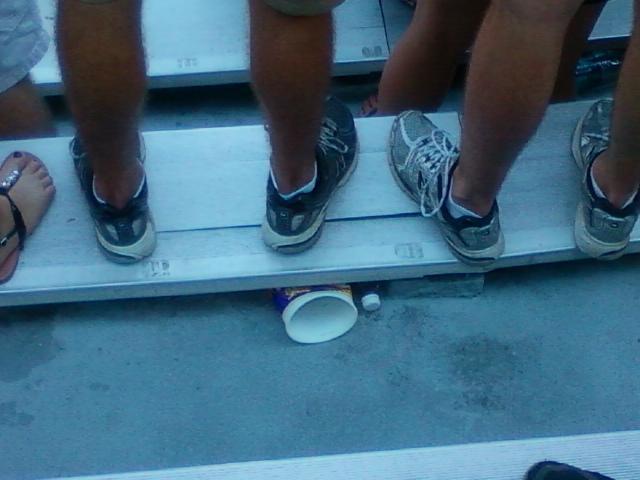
<point x="291" y="57"/>
<point x="552" y="13"/>
<point x="23" y="113"/>
<point x="617" y="170"/>
<point x="519" y="40"/>
<point x="423" y="64"/>
<point x="103" y="67"/>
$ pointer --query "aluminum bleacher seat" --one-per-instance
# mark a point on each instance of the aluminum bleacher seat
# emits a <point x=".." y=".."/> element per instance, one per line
<point x="205" y="43"/>
<point x="615" y="23"/>
<point x="374" y="232"/>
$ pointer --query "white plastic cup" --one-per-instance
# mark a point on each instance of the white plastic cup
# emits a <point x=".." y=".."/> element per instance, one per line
<point x="316" y="314"/>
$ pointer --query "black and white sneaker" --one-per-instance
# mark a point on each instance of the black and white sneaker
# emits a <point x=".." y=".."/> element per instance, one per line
<point x="561" y="471"/>
<point x="602" y="230"/>
<point x="125" y="235"/>
<point x="293" y="226"/>
<point x="422" y="159"/>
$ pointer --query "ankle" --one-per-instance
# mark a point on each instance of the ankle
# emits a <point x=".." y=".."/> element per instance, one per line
<point x="465" y="195"/>
<point x="618" y="180"/>
<point x="118" y="188"/>
<point x="290" y="180"/>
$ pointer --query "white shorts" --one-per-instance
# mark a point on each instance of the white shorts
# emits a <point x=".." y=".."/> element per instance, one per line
<point x="23" y="41"/>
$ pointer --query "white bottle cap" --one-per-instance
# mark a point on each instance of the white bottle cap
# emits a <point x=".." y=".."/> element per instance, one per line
<point x="371" y="302"/>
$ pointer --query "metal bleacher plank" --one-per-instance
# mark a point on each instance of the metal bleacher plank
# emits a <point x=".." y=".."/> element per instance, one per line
<point x="397" y="16"/>
<point x="200" y="42"/>
<point x="207" y="193"/>
<point x="614" y="25"/>
<point x="219" y="167"/>
<point x="612" y="454"/>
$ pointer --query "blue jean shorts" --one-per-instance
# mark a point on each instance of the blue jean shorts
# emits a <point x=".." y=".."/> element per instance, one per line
<point x="23" y="40"/>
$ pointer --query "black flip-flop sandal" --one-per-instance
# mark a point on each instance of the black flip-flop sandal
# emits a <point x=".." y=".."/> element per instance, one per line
<point x="8" y="266"/>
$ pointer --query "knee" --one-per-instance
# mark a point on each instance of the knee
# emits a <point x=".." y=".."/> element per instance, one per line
<point x="549" y="12"/>
<point x="303" y="8"/>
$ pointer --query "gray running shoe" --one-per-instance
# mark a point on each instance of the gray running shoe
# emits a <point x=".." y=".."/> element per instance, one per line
<point x="422" y="158"/>
<point x="125" y="235"/>
<point x="602" y="230"/>
<point x="293" y="226"/>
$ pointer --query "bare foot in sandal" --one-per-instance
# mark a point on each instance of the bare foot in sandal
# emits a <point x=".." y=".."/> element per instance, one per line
<point x="26" y="192"/>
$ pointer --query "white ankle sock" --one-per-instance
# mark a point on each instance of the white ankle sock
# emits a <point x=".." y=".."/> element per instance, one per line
<point x="104" y="202"/>
<point x="456" y="210"/>
<point x="308" y="188"/>
<point x="600" y="194"/>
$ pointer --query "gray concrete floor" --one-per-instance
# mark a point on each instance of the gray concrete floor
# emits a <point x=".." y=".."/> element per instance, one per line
<point x="152" y="384"/>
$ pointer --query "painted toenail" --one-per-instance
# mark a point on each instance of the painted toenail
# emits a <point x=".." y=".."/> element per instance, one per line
<point x="17" y="154"/>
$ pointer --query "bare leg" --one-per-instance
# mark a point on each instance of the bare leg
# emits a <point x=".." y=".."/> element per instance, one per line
<point x="574" y="46"/>
<point x="520" y="40"/>
<point x="102" y="59"/>
<point x="23" y="113"/>
<point x="420" y="71"/>
<point x="617" y="171"/>
<point x="291" y="61"/>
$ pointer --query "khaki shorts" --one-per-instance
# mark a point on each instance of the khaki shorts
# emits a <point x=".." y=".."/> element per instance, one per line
<point x="23" y="41"/>
<point x="304" y="7"/>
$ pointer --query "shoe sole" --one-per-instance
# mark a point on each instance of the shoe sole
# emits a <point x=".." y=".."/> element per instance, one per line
<point x="133" y="253"/>
<point x="300" y="243"/>
<point x="482" y="258"/>
<point x="586" y="242"/>
<point x="593" y="247"/>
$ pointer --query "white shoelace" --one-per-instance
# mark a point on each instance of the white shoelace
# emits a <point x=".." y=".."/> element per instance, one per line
<point x="329" y="140"/>
<point x="329" y="137"/>
<point x="603" y="137"/>
<point x="433" y="153"/>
